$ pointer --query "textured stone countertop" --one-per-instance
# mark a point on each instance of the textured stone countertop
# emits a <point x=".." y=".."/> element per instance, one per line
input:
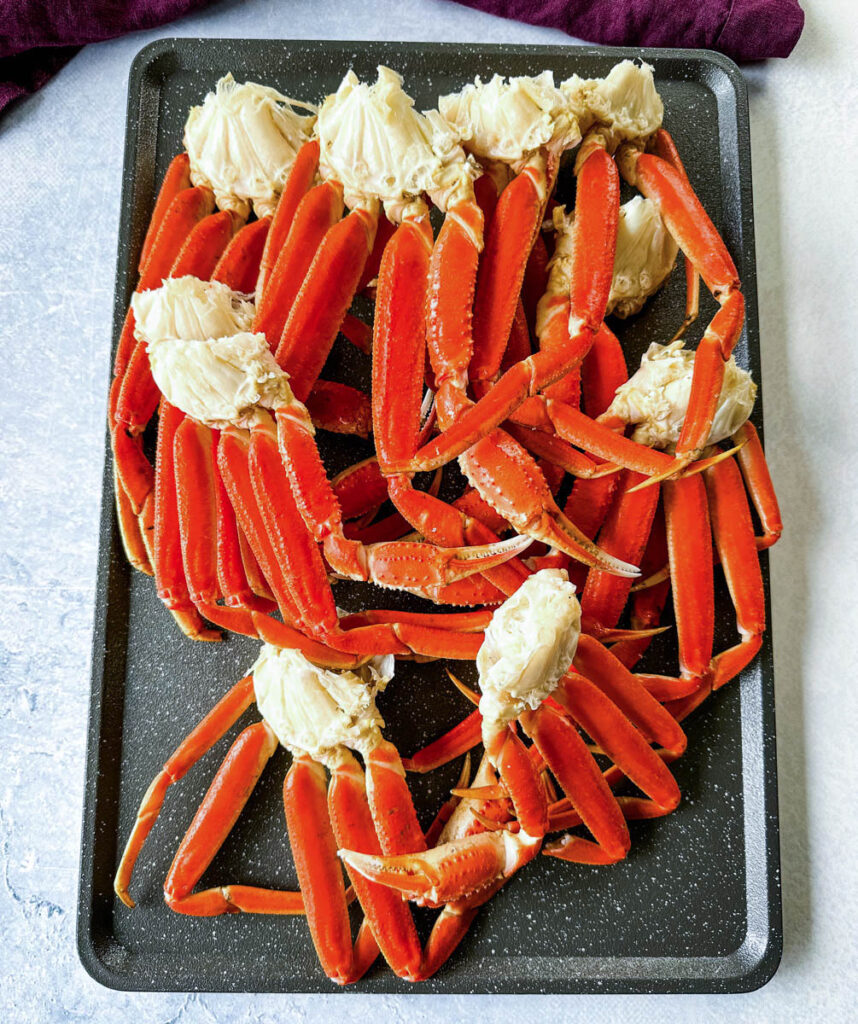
<point x="60" y="166"/>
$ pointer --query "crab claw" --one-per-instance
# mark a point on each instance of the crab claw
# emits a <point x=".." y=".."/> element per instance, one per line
<point x="450" y="871"/>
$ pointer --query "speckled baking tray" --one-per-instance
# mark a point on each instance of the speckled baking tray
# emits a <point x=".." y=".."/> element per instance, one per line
<point x="694" y="908"/>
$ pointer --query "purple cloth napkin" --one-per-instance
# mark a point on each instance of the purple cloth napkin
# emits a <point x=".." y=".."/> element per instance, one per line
<point x="743" y="29"/>
<point x="37" y="37"/>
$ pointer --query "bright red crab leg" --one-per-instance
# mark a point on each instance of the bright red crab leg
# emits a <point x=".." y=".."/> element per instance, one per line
<point x="238" y="266"/>
<point x="510" y="235"/>
<point x="580" y="777"/>
<point x="734" y="538"/>
<point x="752" y="459"/>
<point x="603" y="721"/>
<point x="596" y="216"/>
<point x="320" y="876"/>
<point x="696" y="235"/>
<point x="355" y="828"/>
<point x="599" y="665"/>
<point x="689" y="541"/>
<point x="130" y="530"/>
<point x="339" y="408"/>
<point x="459" y="740"/>
<point x="318" y="211"/>
<point x="324" y="299"/>
<point x="520" y="776"/>
<point x="197" y="743"/>
<point x="624" y="535"/>
<point x="215" y="818"/>
<point x="391" y="803"/>
<point x="450" y="871"/>
<point x="662" y="144"/>
<point x="300" y="179"/>
<point x="170" y="579"/>
<point x="397" y="564"/>
<point x="176" y="180"/>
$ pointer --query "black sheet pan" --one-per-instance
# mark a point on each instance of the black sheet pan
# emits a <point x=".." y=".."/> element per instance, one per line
<point x="694" y="908"/>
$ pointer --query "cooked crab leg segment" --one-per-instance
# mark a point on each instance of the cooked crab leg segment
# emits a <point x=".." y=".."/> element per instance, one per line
<point x="217" y="814"/>
<point x="759" y="482"/>
<point x="689" y="542"/>
<point x="323" y="715"/>
<point x="176" y="180"/>
<point x="314" y="849"/>
<point x="696" y="235"/>
<point x="197" y="743"/>
<point x="317" y="213"/>
<point x="299" y="182"/>
<point x="238" y="267"/>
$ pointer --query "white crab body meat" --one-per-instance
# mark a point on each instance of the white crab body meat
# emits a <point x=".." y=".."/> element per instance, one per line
<point x="205" y="359"/>
<point x="529" y="646"/>
<point x="381" y="149"/>
<point x="242" y="142"/>
<point x="624" y="104"/>
<point x="188" y="308"/>
<point x="645" y="256"/>
<point x="317" y="711"/>
<point x="655" y="398"/>
<point x="507" y="120"/>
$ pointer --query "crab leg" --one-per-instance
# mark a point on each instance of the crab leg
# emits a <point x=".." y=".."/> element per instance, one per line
<point x="599" y="665"/>
<point x="324" y="298"/>
<point x="580" y="777"/>
<point x="689" y="541"/>
<point x="696" y="235"/>
<point x="510" y="235"/>
<point x="597" y="206"/>
<point x="759" y="482"/>
<point x="734" y="538"/>
<point x="339" y="408"/>
<point x="197" y="743"/>
<point x="624" y="535"/>
<point x="396" y="564"/>
<point x="217" y="814"/>
<point x="354" y="826"/>
<point x="238" y="267"/>
<point x="319" y="210"/>
<point x="176" y="180"/>
<point x="320" y="876"/>
<point x="603" y="721"/>
<point x="450" y="871"/>
<point x="300" y="179"/>
<point x="459" y="740"/>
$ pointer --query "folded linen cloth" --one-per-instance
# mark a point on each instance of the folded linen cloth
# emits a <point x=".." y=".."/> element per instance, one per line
<point x="742" y="29"/>
<point x="37" y="37"/>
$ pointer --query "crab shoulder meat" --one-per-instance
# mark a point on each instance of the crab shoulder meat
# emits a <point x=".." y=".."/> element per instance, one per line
<point x="507" y="120"/>
<point x="655" y="398"/>
<point x="204" y="357"/>
<point x="529" y="646"/>
<point x="645" y="256"/>
<point x="381" y="149"/>
<point x="624" y="104"/>
<point x="242" y="142"/>
<point x="316" y="711"/>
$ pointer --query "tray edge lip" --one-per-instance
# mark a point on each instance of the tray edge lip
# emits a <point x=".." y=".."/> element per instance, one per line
<point x="766" y="964"/>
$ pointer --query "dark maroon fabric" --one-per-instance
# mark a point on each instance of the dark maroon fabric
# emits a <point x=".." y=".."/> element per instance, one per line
<point x="37" y="37"/>
<point x="743" y="29"/>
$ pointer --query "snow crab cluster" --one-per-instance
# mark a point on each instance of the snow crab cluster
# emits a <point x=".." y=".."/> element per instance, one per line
<point x="489" y="348"/>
